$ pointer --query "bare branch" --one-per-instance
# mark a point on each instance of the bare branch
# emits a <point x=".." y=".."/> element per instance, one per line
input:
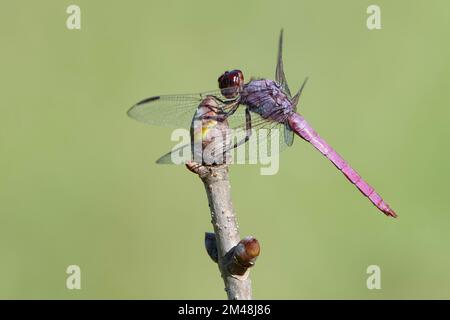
<point x="233" y="256"/>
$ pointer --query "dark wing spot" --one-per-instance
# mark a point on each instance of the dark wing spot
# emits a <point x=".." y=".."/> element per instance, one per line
<point x="148" y="100"/>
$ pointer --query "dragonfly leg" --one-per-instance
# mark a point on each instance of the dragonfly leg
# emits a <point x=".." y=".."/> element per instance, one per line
<point x="222" y="115"/>
<point x="227" y="101"/>
<point x="217" y="117"/>
<point x="248" y="129"/>
<point x="197" y="168"/>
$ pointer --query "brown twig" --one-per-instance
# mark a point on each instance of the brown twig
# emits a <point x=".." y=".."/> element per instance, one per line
<point x="234" y="256"/>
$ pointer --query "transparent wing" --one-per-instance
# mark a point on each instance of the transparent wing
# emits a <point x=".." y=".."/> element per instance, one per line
<point x="267" y="134"/>
<point x="266" y="137"/>
<point x="170" y="110"/>
<point x="296" y="98"/>
<point x="288" y="135"/>
<point x="182" y="153"/>
<point x="279" y="72"/>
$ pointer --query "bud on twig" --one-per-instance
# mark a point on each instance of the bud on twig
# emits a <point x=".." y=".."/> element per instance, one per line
<point x="239" y="258"/>
<point x="243" y="256"/>
<point x="211" y="246"/>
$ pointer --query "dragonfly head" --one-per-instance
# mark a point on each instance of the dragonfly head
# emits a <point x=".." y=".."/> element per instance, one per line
<point x="230" y="83"/>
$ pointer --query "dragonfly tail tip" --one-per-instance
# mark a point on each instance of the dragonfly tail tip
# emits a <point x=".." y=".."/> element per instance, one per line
<point x="389" y="212"/>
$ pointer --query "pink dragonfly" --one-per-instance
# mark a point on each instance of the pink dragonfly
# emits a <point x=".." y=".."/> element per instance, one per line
<point x="266" y="103"/>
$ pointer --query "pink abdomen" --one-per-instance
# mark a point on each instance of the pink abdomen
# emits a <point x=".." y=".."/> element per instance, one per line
<point x="302" y="128"/>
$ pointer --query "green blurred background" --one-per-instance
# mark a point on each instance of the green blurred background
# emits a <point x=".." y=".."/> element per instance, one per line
<point x="78" y="183"/>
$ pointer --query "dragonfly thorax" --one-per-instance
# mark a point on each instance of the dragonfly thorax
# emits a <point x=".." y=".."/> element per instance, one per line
<point x="267" y="98"/>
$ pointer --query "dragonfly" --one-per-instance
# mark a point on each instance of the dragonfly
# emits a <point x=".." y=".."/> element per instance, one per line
<point x="265" y="103"/>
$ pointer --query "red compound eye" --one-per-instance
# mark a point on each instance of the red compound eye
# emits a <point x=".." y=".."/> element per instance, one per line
<point x="230" y="82"/>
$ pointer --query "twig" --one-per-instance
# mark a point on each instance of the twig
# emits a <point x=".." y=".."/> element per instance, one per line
<point x="234" y="256"/>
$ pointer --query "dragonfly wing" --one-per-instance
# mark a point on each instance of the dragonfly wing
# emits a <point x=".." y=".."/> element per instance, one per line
<point x="216" y="152"/>
<point x="176" y="156"/>
<point x="296" y="98"/>
<point x="279" y="72"/>
<point x="288" y="135"/>
<point x="266" y="136"/>
<point x="269" y="133"/>
<point x="169" y="110"/>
